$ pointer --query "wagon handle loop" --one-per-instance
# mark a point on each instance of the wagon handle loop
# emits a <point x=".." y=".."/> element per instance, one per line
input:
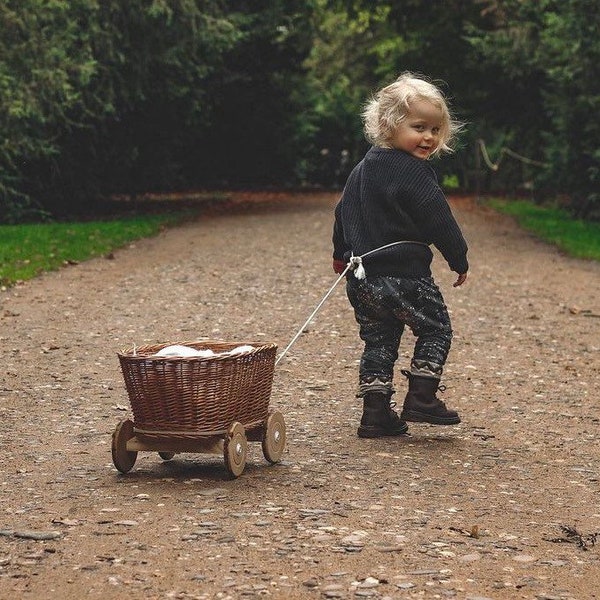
<point x="355" y="264"/>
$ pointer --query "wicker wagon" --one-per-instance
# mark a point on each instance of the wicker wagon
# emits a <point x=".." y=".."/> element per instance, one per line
<point x="212" y="404"/>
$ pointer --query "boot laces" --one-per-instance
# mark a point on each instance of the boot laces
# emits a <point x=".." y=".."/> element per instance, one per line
<point x="441" y="388"/>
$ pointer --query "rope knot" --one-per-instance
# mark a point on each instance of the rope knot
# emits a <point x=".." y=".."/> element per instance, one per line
<point x="357" y="267"/>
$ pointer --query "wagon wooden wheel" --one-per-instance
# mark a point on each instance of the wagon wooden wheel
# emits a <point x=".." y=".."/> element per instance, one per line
<point x="273" y="442"/>
<point x="235" y="449"/>
<point x="123" y="459"/>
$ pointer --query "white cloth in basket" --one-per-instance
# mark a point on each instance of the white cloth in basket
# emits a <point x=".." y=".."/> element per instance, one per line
<point x="240" y="350"/>
<point x="183" y="351"/>
<point x="177" y="350"/>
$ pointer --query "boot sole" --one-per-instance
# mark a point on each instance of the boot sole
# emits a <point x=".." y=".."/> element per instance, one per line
<point x="376" y="432"/>
<point x="419" y="417"/>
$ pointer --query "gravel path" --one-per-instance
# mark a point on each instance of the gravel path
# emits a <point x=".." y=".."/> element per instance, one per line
<point x="503" y="506"/>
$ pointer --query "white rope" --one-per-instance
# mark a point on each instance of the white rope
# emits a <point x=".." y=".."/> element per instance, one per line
<point x="314" y="312"/>
<point x="390" y="245"/>
<point x="355" y="263"/>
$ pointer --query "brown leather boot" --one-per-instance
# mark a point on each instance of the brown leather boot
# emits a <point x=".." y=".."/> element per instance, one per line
<point x="421" y="405"/>
<point x="379" y="419"/>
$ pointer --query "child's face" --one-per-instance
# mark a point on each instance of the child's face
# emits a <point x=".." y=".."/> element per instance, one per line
<point x="419" y="132"/>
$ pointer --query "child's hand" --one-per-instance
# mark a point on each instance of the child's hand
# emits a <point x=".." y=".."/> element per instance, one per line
<point x="339" y="266"/>
<point x="460" y="280"/>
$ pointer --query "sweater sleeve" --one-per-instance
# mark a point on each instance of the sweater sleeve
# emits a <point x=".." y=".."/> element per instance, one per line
<point x="435" y="220"/>
<point x="440" y="226"/>
<point x="339" y="246"/>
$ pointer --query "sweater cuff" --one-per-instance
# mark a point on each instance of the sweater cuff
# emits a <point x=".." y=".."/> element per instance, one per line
<point x="460" y="266"/>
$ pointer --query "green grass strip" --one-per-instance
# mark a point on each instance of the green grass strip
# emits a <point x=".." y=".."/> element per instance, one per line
<point x="578" y="238"/>
<point x="30" y="249"/>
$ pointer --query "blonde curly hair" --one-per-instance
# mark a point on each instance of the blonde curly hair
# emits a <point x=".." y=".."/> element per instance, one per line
<point x="390" y="105"/>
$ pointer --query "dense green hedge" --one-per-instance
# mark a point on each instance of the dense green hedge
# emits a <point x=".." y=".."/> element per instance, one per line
<point x="104" y="96"/>
<point x="126" y="96"/>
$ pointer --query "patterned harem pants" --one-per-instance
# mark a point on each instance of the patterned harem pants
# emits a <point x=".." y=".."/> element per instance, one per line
<point x="383" y="306"/>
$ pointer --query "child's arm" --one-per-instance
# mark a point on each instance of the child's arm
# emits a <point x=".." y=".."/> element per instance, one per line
<point x="339" y="246"/>
<point x="435" y="219"/>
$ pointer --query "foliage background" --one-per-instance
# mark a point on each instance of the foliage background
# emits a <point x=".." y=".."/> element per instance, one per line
<point x="114" y="96"/>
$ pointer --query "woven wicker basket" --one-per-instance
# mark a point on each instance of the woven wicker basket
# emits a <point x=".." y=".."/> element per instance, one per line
<point x="193" y="396"/>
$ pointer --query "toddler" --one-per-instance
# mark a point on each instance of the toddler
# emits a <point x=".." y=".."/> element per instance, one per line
<point x="391" y="210"/>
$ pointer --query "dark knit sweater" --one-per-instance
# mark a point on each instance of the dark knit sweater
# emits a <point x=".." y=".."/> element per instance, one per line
<point x="391" y="196"/>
